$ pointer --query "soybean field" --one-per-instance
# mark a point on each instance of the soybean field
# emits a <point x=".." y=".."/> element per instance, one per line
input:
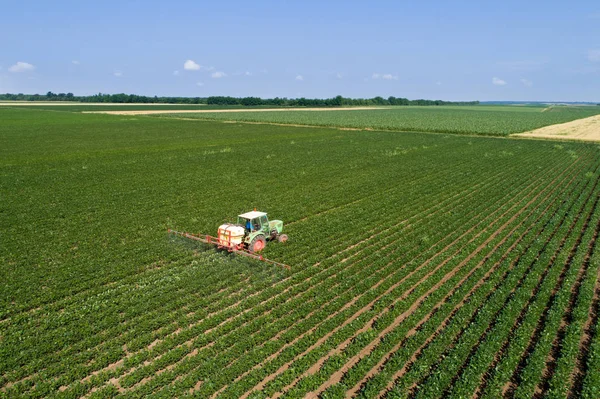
<point x="422" y="265"/>
<point x="471" y="120"/>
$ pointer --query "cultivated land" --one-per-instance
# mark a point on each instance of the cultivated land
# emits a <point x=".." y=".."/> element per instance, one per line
<point x="422" y="265"/>
<point x="474" y="120"/>
<point x="322" y="109"/>
<point x="587" y="129"/>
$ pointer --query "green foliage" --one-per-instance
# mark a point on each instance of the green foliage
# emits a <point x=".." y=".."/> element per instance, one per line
<point x="422" y="265"/>
<point x="479" y="120"/>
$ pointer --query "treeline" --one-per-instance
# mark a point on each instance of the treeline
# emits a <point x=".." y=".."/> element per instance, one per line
<point x="102" y="98"/>
<point x="327" y="102"/>
<point x="225" y="100"/>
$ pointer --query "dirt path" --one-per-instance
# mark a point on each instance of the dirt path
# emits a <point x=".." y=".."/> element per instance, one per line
<point x="173" y="111"/>
<point x="586" y="129"/>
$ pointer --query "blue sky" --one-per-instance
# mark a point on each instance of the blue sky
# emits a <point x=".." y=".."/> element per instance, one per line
<point x="461" y="50"/>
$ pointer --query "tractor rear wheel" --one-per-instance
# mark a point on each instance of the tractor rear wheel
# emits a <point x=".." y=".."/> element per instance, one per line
<point x="257" y="244"/>
<point x="282" y="238"/>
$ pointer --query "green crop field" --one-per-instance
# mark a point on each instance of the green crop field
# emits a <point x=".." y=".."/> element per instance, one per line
<point x="478" y="120"/>
<point x="422" y="265"/>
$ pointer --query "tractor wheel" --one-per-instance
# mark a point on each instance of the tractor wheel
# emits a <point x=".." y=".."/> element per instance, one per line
<point x="257" y="244"/>
<point x="282" y="238"/>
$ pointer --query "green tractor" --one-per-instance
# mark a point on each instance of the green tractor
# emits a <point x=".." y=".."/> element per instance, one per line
<point x="251" y="232"/>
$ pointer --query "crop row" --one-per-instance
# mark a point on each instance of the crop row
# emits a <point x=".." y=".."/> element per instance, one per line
<point x="413" y="119"/>
<point x="427" y="294"/>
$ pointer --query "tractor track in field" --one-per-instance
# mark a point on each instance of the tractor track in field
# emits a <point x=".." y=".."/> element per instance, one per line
<point x="378" y="367"/>
<point x="511" y="385"/>
<point x="317" y="365"/>
<point x="336" y="377"/>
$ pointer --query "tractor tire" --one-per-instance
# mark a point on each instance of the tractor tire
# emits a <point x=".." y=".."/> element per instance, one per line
<point x="257" y="244"/>
<point x="282" y="238"/>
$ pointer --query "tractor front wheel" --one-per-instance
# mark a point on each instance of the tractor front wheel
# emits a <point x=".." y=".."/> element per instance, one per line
<point x="282" y="238"/>
<point x="257" y="244"/>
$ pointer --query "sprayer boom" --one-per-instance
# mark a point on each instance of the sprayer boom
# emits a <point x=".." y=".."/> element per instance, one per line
<point x="228" y="245"/>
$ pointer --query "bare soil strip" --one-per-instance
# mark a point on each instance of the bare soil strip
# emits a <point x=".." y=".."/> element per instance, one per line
<point x="185" y="111"/>
<point x="586" y="129"/>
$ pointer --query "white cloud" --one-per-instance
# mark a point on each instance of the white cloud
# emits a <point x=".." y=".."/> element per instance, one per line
<point x="339" y="76"/>
<point x="498" y="82"/>
<point x="385" y="76"/>
<point x="299" y="77"/>
<point x="248" y="73"/>
<point x="200" y="84"/>
<point x="21" y="67"/>
<point x="594" y="55"/>
<point x="218" y="75"/>
<point x="118" y="74"/>
<point x="438" y="83"/>
<point x="190" y="65"/>
<point x="75" y="62"/>
<point x="527" y="82"/>
<point x="175" y="73"/>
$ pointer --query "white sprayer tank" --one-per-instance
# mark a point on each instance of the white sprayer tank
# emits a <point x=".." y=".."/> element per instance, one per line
<point x="230" y="235"/>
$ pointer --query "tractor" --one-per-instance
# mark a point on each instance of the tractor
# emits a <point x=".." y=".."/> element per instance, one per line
<point x="251" y="232"/>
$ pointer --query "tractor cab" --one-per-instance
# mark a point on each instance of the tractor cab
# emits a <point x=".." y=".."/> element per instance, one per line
<point x="258" y="229"/>
<point x="254" y="221"/>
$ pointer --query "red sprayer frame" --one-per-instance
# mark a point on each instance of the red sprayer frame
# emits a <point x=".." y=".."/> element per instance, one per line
<point x="238" y="249"/>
